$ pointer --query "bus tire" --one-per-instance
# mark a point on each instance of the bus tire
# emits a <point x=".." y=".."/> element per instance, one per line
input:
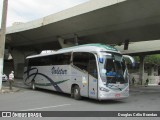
<point x="76" y="92"/>
<point x="33" y="87"/>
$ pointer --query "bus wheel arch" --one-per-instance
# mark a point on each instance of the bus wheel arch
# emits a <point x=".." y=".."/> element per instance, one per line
<point x="75" y="92"/>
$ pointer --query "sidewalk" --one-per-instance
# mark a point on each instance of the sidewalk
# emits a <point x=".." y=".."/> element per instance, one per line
<point x="141" y="88"/>
<point x="17" y="86"/>
<point x="7" y="90"/>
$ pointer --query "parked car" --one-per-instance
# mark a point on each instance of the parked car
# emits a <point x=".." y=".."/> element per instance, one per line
<point x="4" y="77"/>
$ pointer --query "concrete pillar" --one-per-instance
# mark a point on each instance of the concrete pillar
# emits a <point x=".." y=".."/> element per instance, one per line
<point x="152" y="70"/>
<point x="64" y="43"/>
<point x="141" y="69"/>
<point x="156" y="70"/>
<point x="19" y="60"/>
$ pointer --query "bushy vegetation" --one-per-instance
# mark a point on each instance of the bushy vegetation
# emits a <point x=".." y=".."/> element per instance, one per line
<point x="153" y="59"/>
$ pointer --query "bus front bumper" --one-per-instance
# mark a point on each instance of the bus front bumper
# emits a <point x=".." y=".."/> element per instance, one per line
<point x="113" y="95"/>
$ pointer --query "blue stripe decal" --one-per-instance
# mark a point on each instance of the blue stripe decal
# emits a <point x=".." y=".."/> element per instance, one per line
<point x="37" y="73"/>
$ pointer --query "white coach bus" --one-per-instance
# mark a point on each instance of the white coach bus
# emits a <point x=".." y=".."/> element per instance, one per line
<point x="96" y="71"/>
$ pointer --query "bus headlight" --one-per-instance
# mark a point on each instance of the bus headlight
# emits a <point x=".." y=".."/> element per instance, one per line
<point x="104" y="89"/>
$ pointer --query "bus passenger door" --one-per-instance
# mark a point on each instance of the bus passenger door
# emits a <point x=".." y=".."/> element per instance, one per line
<point x="79" y="71"/>
<point x="80" y="78"/>
<point x="93" y="77"/>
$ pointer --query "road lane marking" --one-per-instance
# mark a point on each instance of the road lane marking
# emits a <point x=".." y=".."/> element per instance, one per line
<point x="46" y="107"/>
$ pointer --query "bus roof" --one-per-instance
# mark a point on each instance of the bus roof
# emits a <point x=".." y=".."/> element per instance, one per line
<point x="81" y="48"/>
<point x="89" y="47"/>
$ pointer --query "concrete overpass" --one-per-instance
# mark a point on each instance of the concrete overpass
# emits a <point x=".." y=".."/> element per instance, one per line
<point x="105" y="21"/>
<point x="141" y="48"/>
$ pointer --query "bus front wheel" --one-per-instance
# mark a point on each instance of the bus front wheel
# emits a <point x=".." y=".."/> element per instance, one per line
<point x="76" y="93"/>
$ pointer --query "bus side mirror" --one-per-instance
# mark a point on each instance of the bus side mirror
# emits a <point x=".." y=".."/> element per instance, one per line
<point x="131" y="59"/>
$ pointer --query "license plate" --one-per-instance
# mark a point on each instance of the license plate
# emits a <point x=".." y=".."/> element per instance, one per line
<point x="117" y="95"/>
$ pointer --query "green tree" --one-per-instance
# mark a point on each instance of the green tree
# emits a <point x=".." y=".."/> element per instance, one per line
<point x="153" y="59"/>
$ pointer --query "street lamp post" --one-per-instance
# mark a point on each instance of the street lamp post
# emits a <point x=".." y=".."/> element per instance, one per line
<point x="2" y="38"/>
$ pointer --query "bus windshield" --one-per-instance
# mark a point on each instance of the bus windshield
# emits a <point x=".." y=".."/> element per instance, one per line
<point x="112" y="68"/>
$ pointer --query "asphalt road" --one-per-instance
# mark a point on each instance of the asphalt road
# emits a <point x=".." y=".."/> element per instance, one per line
<point x="141" y="99"/>
<point x="26" y="99"/>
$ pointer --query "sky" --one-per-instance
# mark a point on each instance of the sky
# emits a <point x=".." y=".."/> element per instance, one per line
<point x="28" y="10"/>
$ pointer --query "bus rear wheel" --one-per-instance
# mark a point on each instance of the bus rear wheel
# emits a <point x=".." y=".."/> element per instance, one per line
<point x="33" y="87"/>
<point x="76" y="92"/>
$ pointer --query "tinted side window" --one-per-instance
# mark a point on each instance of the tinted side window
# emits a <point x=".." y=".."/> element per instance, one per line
<point x="92" y="66"/>
<point x="81" y="60"/>
<point x="59" y="59"/>
<point x="40" y="61"/>
<point x="86" y="61"/>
